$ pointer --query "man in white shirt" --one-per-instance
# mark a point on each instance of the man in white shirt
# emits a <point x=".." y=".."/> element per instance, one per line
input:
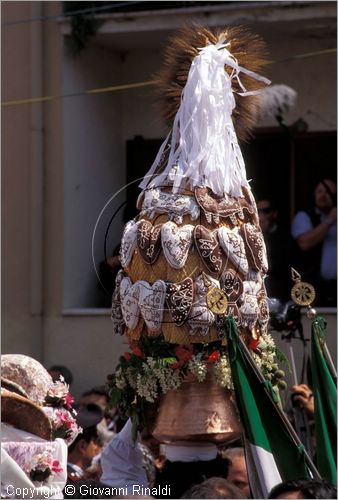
<point x="315" y="232"/>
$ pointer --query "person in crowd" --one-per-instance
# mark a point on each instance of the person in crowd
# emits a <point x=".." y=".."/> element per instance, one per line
<point x="182" y="471"/>
<point x="86" y="446"/>
<point x="122" y="465"/>
<point x="214" y="487"/>
<point x="56" y="371"/>
<point x="302" y="395"/>
<point x="121" y="461"/>
<point x="302" y="398"/>
<point x="315" y="233"/>
<point x="153" y="458"/>
<point x="99" y="396"/>
<point x="236" y="470"/>
<point x="304" y="488"/>
<point x="108" y="270"/>
<point x="278" y="244"/>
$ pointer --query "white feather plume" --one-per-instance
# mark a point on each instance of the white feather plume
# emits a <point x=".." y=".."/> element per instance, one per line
<point x="277" y="99"/>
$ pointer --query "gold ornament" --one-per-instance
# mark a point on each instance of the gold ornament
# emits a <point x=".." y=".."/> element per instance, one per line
<point x="302" y="293"/>
<point x="217" y="301"/>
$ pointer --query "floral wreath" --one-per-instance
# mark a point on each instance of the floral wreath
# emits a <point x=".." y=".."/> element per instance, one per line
<point x="42" y="466"/>
<point x="154" y="367"/>
<point x="58" y="405"/>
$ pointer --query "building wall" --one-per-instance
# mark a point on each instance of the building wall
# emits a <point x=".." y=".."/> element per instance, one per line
<point x="62" y="160"/>
<point x="21" y="329"/>
<point x="93" y="168"/>
<point x="313" y="78"/>
<point x="83" y="343"/>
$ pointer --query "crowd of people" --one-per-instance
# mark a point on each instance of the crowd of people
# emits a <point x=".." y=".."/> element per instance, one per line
<point x="104" y="462"/>
<point x="310" y="246"/>
<point x="103" y="459"/>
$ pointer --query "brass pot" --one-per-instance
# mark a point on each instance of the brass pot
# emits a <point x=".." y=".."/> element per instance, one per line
<point x="198" y="411"/>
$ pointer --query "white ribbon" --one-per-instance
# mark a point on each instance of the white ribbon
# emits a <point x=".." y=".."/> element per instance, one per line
<point x="204" y="150"/>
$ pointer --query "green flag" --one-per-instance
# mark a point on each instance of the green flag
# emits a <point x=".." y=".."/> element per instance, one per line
<point x="272" y="453"/>
<point x="325" y="395"/>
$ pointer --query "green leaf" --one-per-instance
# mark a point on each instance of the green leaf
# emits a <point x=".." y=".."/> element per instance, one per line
<point x="167" y="361"/>
<point x="135" y="424"/>
<point x="115" y="397"/>
<point x="283" y="359"/>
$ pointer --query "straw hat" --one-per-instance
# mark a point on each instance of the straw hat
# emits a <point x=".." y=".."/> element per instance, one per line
<point x="26" y="376"/>
<point x="25" y="383"/>
<point x="23" y="414"/>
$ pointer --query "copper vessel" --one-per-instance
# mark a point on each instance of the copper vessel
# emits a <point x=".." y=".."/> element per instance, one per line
<point x="197" y="411"/>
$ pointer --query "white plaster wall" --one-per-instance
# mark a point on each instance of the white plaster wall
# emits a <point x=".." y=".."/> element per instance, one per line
<point x="86" y="345"/>
<point x="21" y="331"/>
<point x="314" y="78"/>
<point x="93" y="166"/>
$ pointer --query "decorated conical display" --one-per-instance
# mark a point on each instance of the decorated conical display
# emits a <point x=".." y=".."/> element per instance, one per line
<point x="195" y="252"/>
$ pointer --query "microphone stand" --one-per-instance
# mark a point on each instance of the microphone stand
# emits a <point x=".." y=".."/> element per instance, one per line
<point x="299" y="414"/>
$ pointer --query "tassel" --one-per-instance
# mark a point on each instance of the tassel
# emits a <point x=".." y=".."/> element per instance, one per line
<point x="204" y="148"/>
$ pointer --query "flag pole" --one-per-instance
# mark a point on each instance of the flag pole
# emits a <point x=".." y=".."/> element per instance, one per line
<point x="300" y="417"/>
<point x="281" y="414"/>
<point x="326" y="352"/>
<point x="329" y="361"/>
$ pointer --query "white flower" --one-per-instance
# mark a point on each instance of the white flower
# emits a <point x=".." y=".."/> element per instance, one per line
<point x="41" y="461"/>
<point x="222" y="372"/>
<point x="120" y="379"/>
<point x="269" y="341"/>
<point x="131" y="376"/>
<point x="58" y="390"/>
<point x="265" y="357"/>
<point x="257" y="359"/>
<point x="168" y="379"/>
<point x="151" y="362"/>
<point x="198" y="367"/>
<point x="147" y="385"/>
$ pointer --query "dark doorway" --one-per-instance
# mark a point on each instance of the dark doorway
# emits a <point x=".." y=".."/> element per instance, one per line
<point x="284" y="165"/>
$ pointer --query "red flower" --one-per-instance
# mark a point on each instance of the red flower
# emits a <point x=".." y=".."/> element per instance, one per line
<point x="127" y="356"/>
<point x="214" y="356"/>
<point x="184" y="353"/>
<point x="56" y="466"/>
<point x="175" y="365"/>
<point x="253" y="344"/>
<point x="65" y="418"/>
<point x="136" y="350"/>
<point x="68" y="400"/>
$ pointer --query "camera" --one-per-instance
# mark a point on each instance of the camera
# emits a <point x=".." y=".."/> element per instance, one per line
<point x="284" y="317"/>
